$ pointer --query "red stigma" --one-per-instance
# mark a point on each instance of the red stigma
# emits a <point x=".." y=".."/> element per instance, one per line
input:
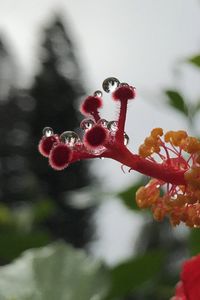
<point x="46" y="144"/>
<point x="95" y="137"/>
<point x="60" y="156"/>
<point x="124" y="92"/>
<point x="91" y="105"/>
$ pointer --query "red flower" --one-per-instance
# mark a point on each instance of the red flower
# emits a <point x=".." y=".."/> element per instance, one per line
<point x="189" y="286"/>
<point x="172" y="160"/>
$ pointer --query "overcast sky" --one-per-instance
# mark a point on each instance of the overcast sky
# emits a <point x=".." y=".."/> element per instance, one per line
<point x="141" y="42"/>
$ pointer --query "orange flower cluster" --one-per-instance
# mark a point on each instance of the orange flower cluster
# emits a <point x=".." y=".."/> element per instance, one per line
<point x="181" y="203"/>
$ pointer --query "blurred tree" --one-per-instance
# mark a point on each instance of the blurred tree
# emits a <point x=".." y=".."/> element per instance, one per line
<point x="8" y="69"/>
<point x="35" y="205"/>
<point x="15" y="111"/>
<point x="56" y="91"/>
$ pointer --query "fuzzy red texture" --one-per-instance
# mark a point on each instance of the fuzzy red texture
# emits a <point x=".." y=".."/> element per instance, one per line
<point x="189" y="286"/>
<point x="91" y="105"/>
<point x="60" y="156"/>
<point x="46" y="144"/>
<point x="124" y="92"/>
<point x="95" y="137"/>
<point x="179" y="293"/>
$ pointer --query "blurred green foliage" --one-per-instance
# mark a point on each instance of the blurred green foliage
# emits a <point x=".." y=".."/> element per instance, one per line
<point x="135" y="274"/>
<point x="177" y="101"/>
<point x="128" y="195"/>
<point x="195" y="60"/>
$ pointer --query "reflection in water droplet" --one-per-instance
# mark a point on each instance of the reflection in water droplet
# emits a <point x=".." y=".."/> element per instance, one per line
<point x="113" y="126"/>
<point x="47" y="131"/>
<point x="98" y="150"/>
<point x="124" y="84"/>
<point x="87" y="124"/>
<point x="110" y="84"/>
<point x="103" y="123"/>
<point x="98" y="94"/>
<point x="70" y="138"/>
<point x="126" y="139"/>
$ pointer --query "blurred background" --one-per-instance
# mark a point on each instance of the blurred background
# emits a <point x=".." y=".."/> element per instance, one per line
<point x="52" y="54"/>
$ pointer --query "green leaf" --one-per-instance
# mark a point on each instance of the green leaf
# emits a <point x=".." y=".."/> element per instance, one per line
<point x="135" y="273"/>
<point x="43" y="209"/>
<point x="56" y="272"/>
<point x="5" y="215"/>
<point x="13" y="243"/>
<point x="196" y="107"/>
<point x="128" y="195"/>
<point x="177" y="101"/>
<point x="194" y="241"/>
<point x="195" y="60"/>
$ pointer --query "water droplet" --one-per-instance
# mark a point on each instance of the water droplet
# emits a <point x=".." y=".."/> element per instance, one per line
<point x="98" y="150"/>
<point x="47" y="131"/>
<point x="70" y="138"/>
<point x="87" y="124"/>
<point x="103" y="123"/>
<point x="110" y="84"/>
<point x="98" y="94"/>
<point x="126" y="139"/>
<point x="113" y="126"/>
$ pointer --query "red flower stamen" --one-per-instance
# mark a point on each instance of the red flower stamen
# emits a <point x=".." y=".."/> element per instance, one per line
<point x="172" y="160"/>
<point x="60" y="156"/>
<point x="123" y="93"/>
<point x="95" y="137"/>
<point x="91" y="106"/>
<point x="46" y="144"/>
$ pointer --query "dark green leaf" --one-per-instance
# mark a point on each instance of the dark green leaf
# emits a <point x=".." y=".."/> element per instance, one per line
<point x="55" y="272"/>
<point x="194" y="241"/>
<point x="197" y="107"/>
<point x="177" y="101"/>
<point x="43" y="209"/>
<point x="134" y="273"/>
<point x="5" y="215"/>
<point x="195" y="60"/>
<point x="128" y="195"/>
<point x="13" y="243"/>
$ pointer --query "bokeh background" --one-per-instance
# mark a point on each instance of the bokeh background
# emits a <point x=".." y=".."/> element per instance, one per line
<point x="53" y="54"/>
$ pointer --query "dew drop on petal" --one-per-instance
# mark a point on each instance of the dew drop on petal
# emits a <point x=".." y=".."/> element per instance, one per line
<point x="70" y="138"/>
<point x="47" y="131"/>
<point x="110" y="84"/>
<point x="103" y="123"/>
<point x="98" y="94"/>
<point x="112" y="126"/>
<point x="126" y="139"/>
<point x="87" y="124"/>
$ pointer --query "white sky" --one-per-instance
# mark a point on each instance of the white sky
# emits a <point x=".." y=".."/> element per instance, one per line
<point x="138" y="41"/>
